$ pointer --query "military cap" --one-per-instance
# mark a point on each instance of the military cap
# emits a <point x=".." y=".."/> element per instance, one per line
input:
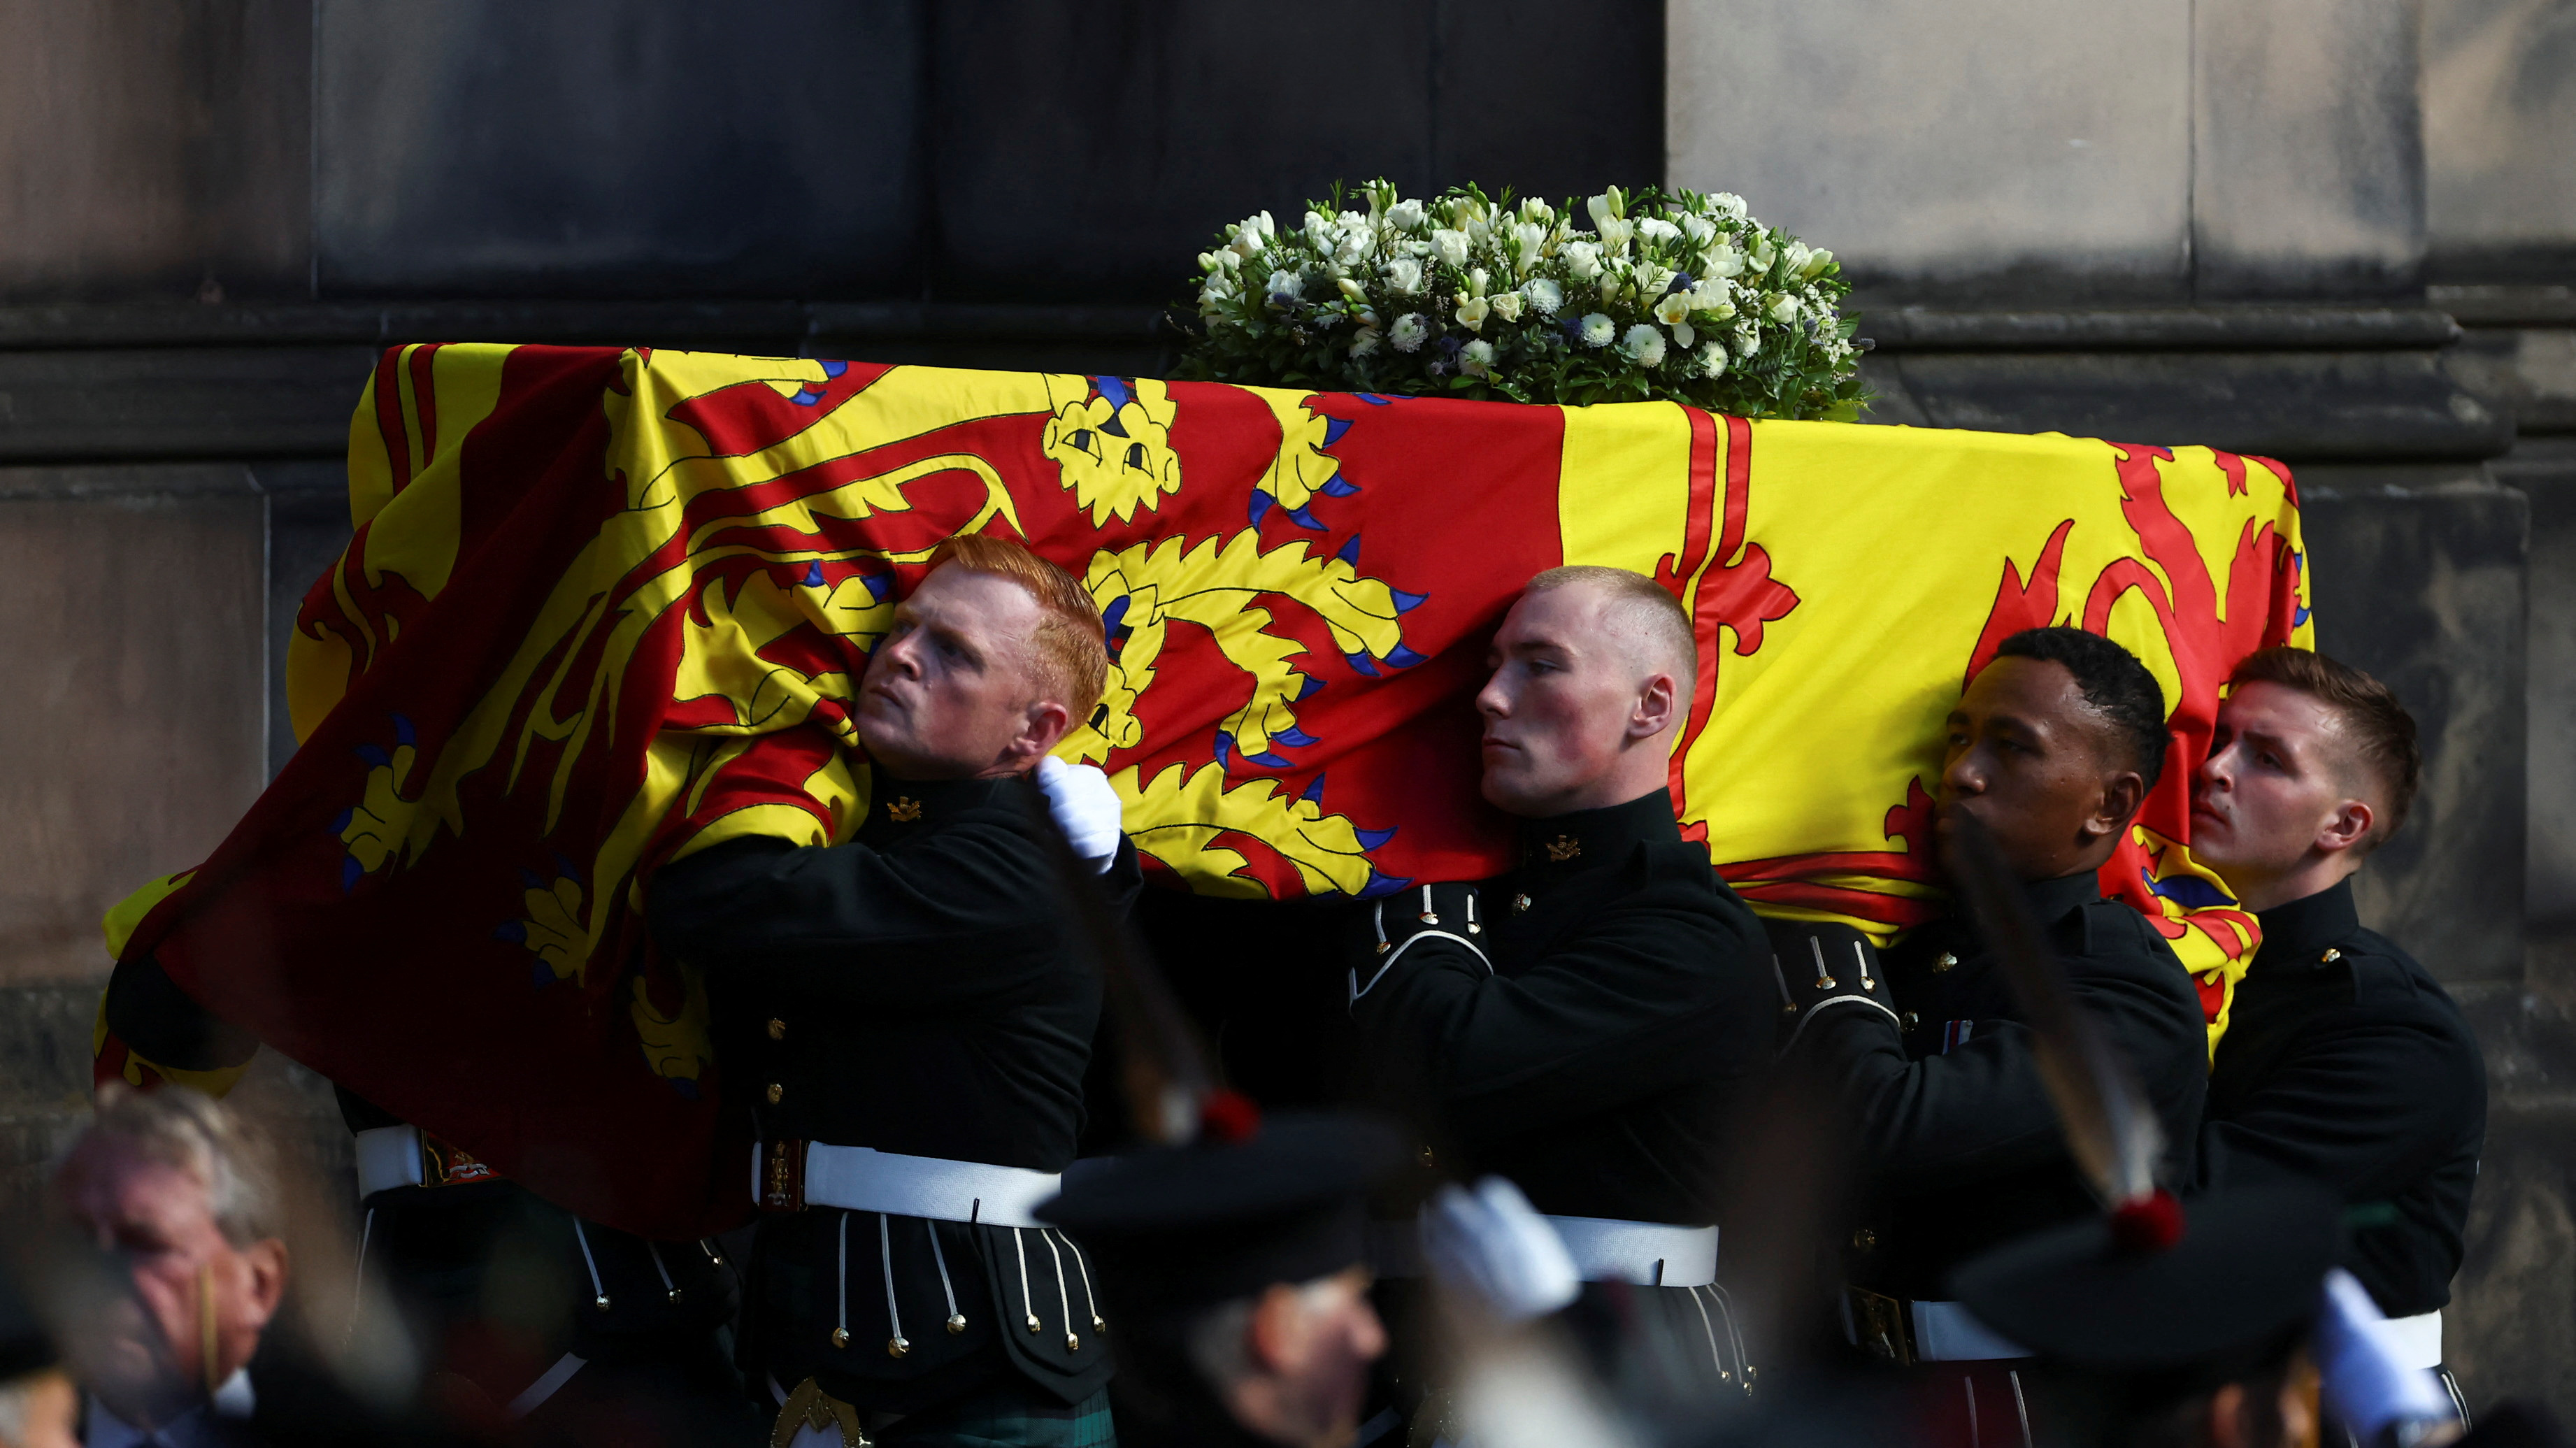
<point x="1281" y="1200"/>
<point x="2244" y="1272"/>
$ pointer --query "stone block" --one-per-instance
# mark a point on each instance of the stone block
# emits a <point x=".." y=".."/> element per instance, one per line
<point x="2307" y="156"/>
<point x="308" y="526"/>
<point x="155" y="148"/>
<point x="179" y="402"/>
<point x="618" y="148"/>
<point x="2039" y="149"/>
<point x="2499" y="104"/>
<point x="134" y="598"/>
<point x="2529" y="373"/>
<point x="2544" y="470"/>
<point x="2419" y="580"/>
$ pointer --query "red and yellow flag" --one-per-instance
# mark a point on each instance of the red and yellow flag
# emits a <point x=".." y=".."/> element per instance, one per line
<point x="606" y="607"/>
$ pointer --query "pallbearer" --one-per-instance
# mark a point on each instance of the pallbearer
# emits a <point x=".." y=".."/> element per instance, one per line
<point x="2052" y="747"/>
<point x="1582" y="1025"/>
<point x="911" y="1017"/>
<point x="2343" y="1060"/>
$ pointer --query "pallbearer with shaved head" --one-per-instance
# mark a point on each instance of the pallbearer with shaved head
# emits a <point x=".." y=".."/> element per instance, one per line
<point x="1582" y="1025"/>
<point x="2051" y="748"/>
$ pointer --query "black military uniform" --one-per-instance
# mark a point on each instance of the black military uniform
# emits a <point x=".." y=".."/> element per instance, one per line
<point x="2344" y="1062"/>
<point x="1958" y="1136"/>
<point x="591" y="1315"/>
<point x="1583" y="1026"/>
<point x="914" y="992"/>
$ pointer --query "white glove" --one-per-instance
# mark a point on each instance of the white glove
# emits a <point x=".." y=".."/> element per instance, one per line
<point x="1493" y="1250"/>
<point x="1085" y="806"/>
<point x="2362" y="1381"/>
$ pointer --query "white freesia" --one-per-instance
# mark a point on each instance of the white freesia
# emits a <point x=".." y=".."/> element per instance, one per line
<point x="1410" y="330"/>
<point x="1507" y="305"/>
<point x="1450" y="246"/>
<point x="1528" y="245"/>
<point x="1355" y="245"/>
<point x="1722" y="262"/>
<point x="1644" y="344"/>
<point x="1762" y="253"/>
<point x="1365" y="341"/>
<point x="1797" y="254"/>
<point x="1604" y="206"/>
<point x="1536" y="209"/>
<point x="1674" y="309"/>
<point x="1544" y="296"/>
<point x="1746" y="341"/>
<point x="1351" y="289"/>
<point x="1698" y="229"/>
<point x="1582" y="260"/>
<point x="1404" y="274"/>
<point x="1817" y="261"/>
<point x="1252" y="234"/>
<point x="1477" y="277"/>
<point x="1405" y="215"/>
<point x="1477" y="358"/>
<point x="1655" y="228"/>
<point x="1471" y="312"/>
<point x="1598" y="330"/>
<point x="1285" y="283"/>
<point x="1785" y="310"/>
<point x="1616" y="233"/>
<point x="1684" y="333"/>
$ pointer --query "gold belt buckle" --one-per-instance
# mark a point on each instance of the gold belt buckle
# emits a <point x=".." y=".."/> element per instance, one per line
<point x="1881" y="1326"/>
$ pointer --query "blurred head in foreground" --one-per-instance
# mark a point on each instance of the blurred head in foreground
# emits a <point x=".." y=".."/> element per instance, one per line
<point x="1234" y="1275"/>
<point x="2198" y="1344"/>
<point x="178" y="1197"/>
<point x="1593" y="669"/>
<point x="38" y="1405"/>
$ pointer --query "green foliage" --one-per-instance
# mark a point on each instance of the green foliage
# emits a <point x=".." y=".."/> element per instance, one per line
<point x="1681" y="297"/>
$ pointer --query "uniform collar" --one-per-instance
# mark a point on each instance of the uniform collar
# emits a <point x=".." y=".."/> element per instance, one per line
<point x="900" y="808"/>
<point x="2054" y="900"/>
<point x="1588" y="837"/>
<point x="2306" y="926"/>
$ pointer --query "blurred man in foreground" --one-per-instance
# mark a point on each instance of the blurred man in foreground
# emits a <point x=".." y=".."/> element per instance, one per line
<point x="1584" y="1025"/>
<point x="911" y="1019"/>
<point x="1237" y="1268"/>
<point x="2343" y="1060"/>
<point x="2052" y="748"/>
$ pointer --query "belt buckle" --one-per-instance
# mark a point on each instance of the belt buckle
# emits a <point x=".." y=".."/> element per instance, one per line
<point x="1881" y="1326"/>
<point x="782" y="1176"/>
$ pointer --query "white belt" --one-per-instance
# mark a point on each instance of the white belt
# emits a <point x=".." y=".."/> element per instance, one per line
<point x="1946" y="1332"/>
<point x="863" y="1179"/>
<point x="388" y="1157"/>
<point x="2414" y="1341"/>
<point x="1604" y="1249"/>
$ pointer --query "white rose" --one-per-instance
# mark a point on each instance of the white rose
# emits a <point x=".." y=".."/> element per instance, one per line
<point x="1644" y="344"/>
<point x="1545" y="296"/>
<point x="1286" y="283"/>
<point x="1747" y="341"/>
<point x="1477" y="359"/>
<point x="1583" y="260"/>
<point x="1365" y="342"/>
<point x="1729" y="203"/>
<point x="1471" y="312"/>
<point x="1405" y="275"/>
<point x="1655" y="228"/>
<point x="1320" y="230"/>
<point x="1409" y="332"/>
<point x="1724" y="261"/>
<point x="1356" y="243"/>
<point x="1507" y="305"/>
<point x="1451" y="246"/>
<point x="1785" y="310"/>
<point x="1405" y="215"/>
<point x="1712" y="360"/>
<point x="1598" y="330"/>
<point x="1698" y="228"/>
<point x="1708" y="296"/>
<point x="1673" y="309"/>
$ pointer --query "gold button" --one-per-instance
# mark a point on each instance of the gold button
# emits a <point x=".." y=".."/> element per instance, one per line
<point x="1944" y="962"/>
<point x="840" y="1337"/>
<point x="897" y="1347"/>
<point x="1912" y="1020"/>
<point x="777" y="1029"/>
<point x="2330" y="957"/>
<point x="1864" y="1239"/>
<point x="1520" y="903"/>
<point x="1427" y="1160"/>
<point x="956" y="1323"/>
<point x="774" y="1091"/>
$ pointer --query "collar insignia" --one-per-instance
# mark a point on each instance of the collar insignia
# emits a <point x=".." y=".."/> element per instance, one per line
<point x="1564" y="847"/>
<point x="903" y="809"/>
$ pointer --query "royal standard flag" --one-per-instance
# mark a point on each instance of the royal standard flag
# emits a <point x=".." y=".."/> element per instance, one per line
<point x="605" y="607"/>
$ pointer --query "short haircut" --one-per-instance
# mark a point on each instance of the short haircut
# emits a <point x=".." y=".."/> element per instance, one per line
<point x="1070" y="646"/>
<point x="2381" y="731"/>
<point x="206" y="1139"/>
<point x="2111" y="680"/>
<point x="1642" y="609"/>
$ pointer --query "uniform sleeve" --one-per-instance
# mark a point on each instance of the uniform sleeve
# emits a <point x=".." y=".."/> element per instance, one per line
<point x="954" y="916"/>
<point x="2367" y="1106"/>
<point x="1980" y="1108"/>
<point x="1655" y="994"/>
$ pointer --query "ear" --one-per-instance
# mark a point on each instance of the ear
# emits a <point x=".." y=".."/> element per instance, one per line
<point x="1273" y="1336"/>
<point x="1041" y="729"/>
<point x="2122" y="793"/>
<point x="1658" y="708"/>
<point x="265" y="1260"/>
<point x="2348" y="826"/>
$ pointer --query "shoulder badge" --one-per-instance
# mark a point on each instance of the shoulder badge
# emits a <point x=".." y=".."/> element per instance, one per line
<point x="903" y="809"/>
<point x="1564" y="847"/>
